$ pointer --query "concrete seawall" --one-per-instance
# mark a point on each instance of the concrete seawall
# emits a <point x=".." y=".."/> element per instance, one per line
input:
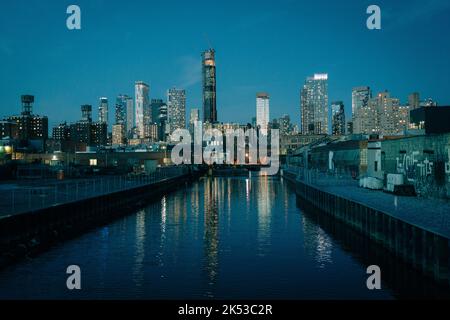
<point x="34" y="231"/>
<point x="426" y="251"/>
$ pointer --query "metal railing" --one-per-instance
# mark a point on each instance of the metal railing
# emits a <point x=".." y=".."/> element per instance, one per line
<point x="319" y="178"/>
<point x="33" y="196"/>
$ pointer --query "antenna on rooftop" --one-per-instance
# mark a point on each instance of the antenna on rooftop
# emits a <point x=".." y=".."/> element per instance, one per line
<point x="207" y="40"/>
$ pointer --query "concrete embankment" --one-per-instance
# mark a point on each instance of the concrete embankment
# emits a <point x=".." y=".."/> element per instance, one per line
<point x="411" y="237"/>
<point x="34" y="231"/>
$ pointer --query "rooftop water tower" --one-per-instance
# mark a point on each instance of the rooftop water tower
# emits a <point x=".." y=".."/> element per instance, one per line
<point x="86" y="112"/>
<point x="27" y="104"/>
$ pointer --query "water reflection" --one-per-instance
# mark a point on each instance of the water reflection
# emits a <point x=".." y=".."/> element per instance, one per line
<point x="317" y="243"/>
<point x="403" y="280"/>
<point x="264" y="205"/>
<point x="138" y="274"/>
<point x="163" y="228"/>
<point x="103" y="254"/>
<point x="211" y="232"/>
<point x="224" y="238"/>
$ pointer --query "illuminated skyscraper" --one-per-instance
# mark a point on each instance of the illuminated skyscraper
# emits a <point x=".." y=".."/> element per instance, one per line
<point x="209" y="86"/>
<point x="121" y="109"/>
<point x="337" y="118"/>
<point x="360" y="107"/>
<point x="142" y="109"/>
<point x="118" y="134"/>
<point x="155" y="106"/>
<point x="176" y="109"/>
<point x="162" y="122"/>
<point x="314" y="105"/>
<point x="262" y="112"/>
<point x="103" y="111"/>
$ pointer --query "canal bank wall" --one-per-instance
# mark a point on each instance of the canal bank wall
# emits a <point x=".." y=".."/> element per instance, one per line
<point x="424" y="250"/>
<point x="34" y="231"/>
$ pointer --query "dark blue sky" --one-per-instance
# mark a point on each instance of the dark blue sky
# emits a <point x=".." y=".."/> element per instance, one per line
<point x="261" y="46"/>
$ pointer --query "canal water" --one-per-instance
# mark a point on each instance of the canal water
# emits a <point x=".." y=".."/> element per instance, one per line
<point x="218" y="238"/>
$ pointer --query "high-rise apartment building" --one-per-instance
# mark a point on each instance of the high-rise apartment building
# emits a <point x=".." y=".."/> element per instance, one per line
<point x="103" y="111"/>
<point x="118" y="134"/>
<point x="262" y="112"/>
<point x="337" y="118"/>
<point x="382" y="115"/>
<point x="121" y="110"/>
<point x="314" y="105"/>
<point x="142" y="109"/>
<point x="130" y="114"/>
<point x="155" y="106"/>
<point x="176" y="109"/>
<point x="360" y="103"/>
<point x="162" y="123"/>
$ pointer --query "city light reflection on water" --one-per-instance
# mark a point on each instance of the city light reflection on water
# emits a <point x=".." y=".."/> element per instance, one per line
<point x="217" y="238"/>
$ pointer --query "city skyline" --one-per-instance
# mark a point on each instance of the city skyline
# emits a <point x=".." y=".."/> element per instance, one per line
<point x="238" y="76"/>
<point x="219" y="156"/>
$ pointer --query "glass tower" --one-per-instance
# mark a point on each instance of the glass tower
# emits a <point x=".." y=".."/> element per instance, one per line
<point x="337" y="118"/>
<point x="314" y="105"/>
<point x="103" y="111"/>
<point x="142" y="108"/>
<point x="209" y="86"/>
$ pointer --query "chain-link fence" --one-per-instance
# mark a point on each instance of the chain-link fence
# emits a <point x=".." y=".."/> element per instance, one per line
<point x="23" y="197"/>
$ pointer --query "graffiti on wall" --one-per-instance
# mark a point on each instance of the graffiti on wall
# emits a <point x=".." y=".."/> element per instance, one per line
<point x="447" y="166"/>
<point x="417" y="166"/>
<point x="413" y="166"/>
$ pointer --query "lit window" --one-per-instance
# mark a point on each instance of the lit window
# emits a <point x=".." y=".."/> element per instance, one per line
<point x="93" y="162"/>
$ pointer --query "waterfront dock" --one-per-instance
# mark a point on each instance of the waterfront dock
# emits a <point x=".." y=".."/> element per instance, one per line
<point x="32" y="195"/>
<point x="34" y="218"/>
<point x="417" y="230"/>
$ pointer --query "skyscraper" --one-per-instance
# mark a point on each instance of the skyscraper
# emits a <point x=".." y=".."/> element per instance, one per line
<point x="103" y="111"/>
<point x="337" y="118"/>
<point x="176" y="109"/>
<point x="262" y="112"/>
<point x="314" y="105"/>
<point x="162" y="122"/>
<point x="360" y="105"/>
<point x="129" y="103"/>
<point x="118" y="134"/>
<point x="121" y="109"/>
<point x="86" y="113"/>
<point x="414" y="100"/>
<point x="193" y="118"/>
<point x="155" y="106"/>
<point x="209" y="86"/>
<point x="142" y="108"/>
